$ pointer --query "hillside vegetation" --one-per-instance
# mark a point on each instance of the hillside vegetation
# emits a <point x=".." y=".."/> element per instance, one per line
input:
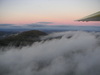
<point x="22" y="39"/>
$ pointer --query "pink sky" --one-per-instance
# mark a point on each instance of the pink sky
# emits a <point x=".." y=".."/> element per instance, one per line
<point x="61" y="12"/>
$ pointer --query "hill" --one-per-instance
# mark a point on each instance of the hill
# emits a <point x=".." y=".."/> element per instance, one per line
<point x="22" y="39"/>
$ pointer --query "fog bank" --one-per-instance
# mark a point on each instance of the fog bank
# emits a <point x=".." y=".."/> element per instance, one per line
<point x="75" y="53"/>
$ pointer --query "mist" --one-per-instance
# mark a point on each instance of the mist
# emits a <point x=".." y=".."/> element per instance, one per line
<point x="74" y="53"/>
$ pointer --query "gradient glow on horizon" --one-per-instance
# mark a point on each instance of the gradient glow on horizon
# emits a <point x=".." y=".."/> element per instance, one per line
<point x="61" y="12"/>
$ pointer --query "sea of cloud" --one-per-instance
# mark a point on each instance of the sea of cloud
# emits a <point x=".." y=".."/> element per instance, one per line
<point x="75" y="53"/>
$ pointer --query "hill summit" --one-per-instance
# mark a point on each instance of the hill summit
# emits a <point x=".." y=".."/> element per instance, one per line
<point x="22" y="39"/>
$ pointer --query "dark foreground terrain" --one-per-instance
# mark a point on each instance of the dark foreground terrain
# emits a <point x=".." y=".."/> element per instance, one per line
<point x="21" y="39"/>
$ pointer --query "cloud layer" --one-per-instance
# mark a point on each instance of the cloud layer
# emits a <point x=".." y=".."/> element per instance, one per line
<point x="77" y="55"/>
<point x="45" y="23"/>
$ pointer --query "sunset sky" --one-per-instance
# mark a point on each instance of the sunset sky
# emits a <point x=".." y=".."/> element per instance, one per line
<point x="59" y="12"/>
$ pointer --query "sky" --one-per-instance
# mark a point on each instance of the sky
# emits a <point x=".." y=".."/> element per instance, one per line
<point x="50" y="12"/>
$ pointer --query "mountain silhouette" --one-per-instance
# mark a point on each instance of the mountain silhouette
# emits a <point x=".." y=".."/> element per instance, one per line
<point x="22" y="39"/>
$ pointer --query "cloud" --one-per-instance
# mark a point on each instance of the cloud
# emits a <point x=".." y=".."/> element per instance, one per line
<point x="11" y="26"/>
<point x="39" y="24"/>
<point x="35" y="25"/>
<point x="5" y="25"/>
<point x="45" y="23"/>
<point x="78" y="55"/>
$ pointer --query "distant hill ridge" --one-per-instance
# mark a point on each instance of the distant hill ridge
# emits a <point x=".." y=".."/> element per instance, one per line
<point x="22" y="39"/>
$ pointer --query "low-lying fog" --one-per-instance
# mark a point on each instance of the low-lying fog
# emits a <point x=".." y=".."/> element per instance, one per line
<point x="75" y="53"/>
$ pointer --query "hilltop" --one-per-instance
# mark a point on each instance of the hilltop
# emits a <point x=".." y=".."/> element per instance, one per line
<point x="22" y="39"/>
